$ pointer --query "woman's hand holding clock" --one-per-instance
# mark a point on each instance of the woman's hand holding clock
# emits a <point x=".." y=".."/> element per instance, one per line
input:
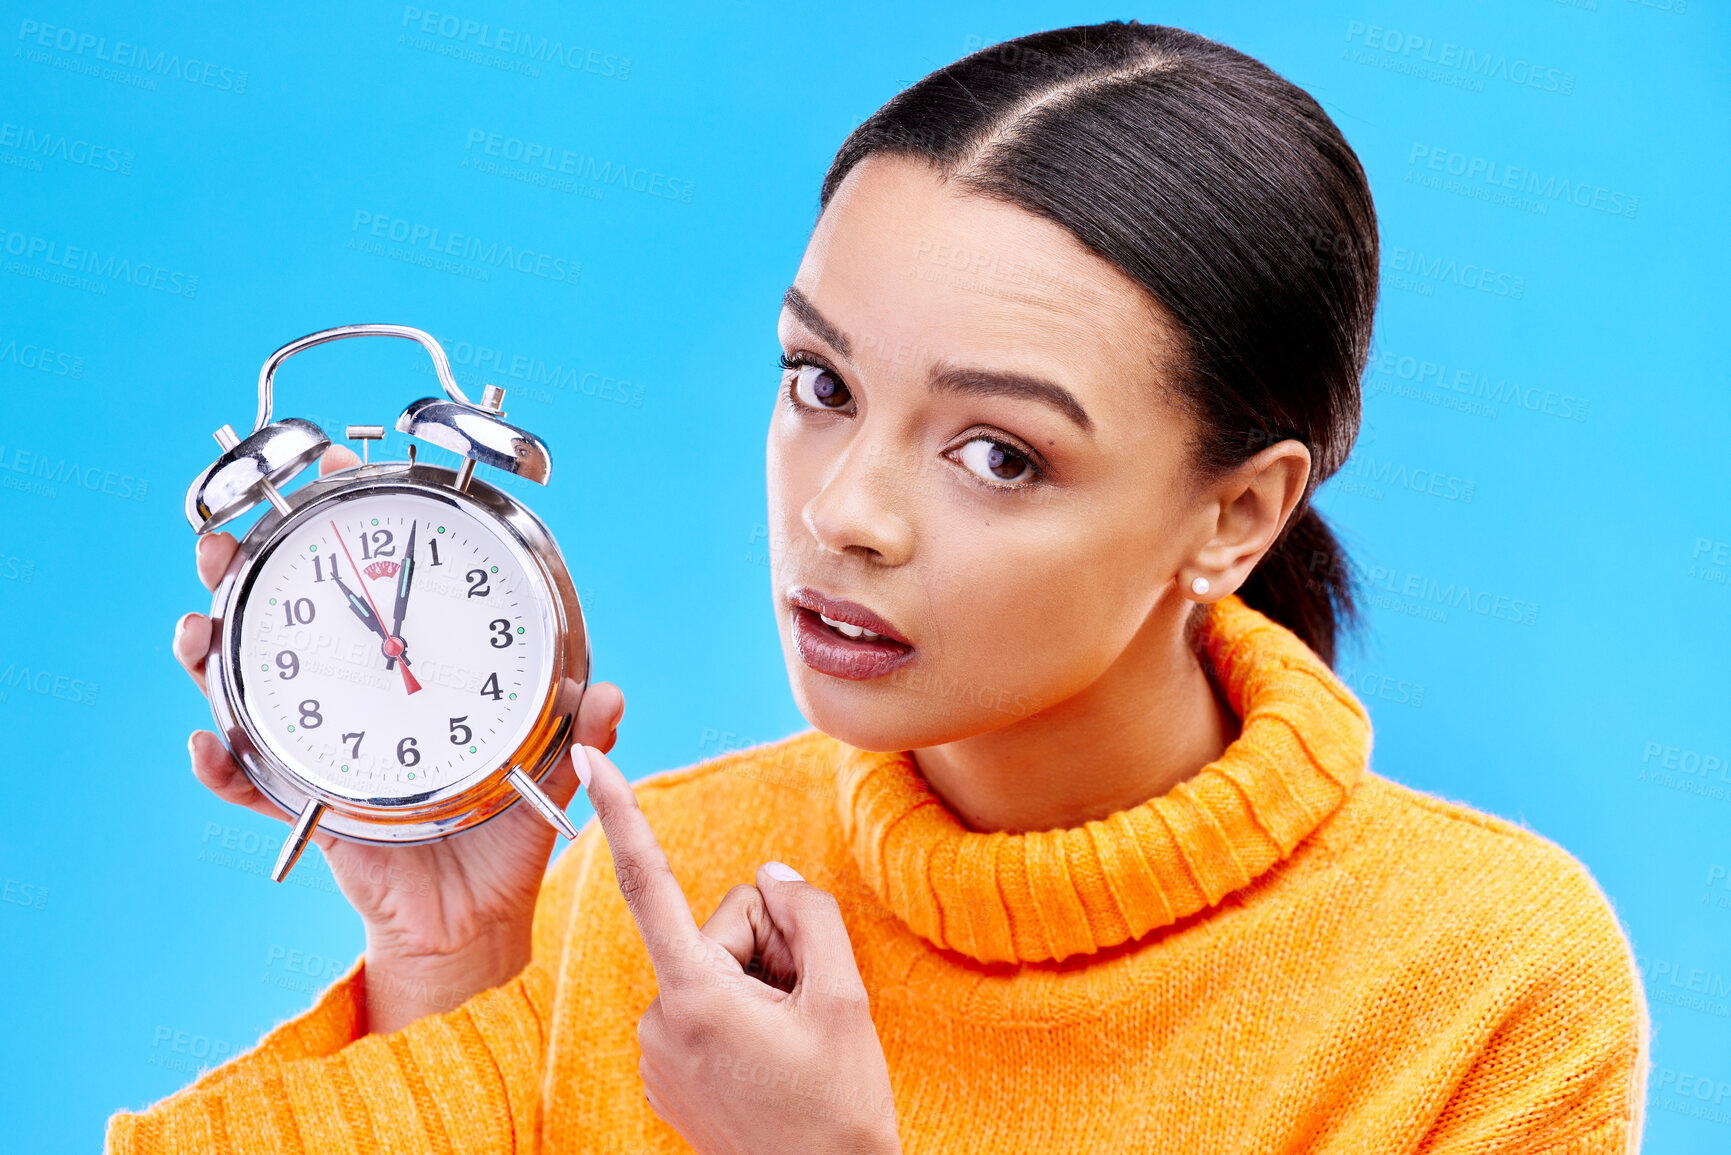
<point x="444" y="920"/>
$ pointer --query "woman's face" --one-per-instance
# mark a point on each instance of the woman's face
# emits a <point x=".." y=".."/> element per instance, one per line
<point x="971" y="456"/>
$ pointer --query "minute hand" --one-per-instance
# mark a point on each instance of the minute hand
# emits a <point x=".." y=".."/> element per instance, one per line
<point x="393" y="646"/>
<point x="405" y="579"/>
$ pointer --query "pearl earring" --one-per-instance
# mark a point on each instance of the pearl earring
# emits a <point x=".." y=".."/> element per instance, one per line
<point x="1200" y="585"/>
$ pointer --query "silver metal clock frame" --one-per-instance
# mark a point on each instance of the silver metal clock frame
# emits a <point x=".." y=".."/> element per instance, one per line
<point x="428" y="815"/>
<point x="250" y="472"/>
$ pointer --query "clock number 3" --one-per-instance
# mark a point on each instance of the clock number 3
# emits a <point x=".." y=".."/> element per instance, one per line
<point x="501" y="628"/>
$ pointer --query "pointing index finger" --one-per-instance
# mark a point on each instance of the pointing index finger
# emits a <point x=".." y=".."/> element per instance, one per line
<point x="646" y="880"/>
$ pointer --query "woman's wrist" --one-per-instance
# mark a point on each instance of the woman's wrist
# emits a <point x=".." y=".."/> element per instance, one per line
<point x="403" y="985"/>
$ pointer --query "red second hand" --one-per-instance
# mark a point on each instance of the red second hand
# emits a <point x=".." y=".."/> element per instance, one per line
<point x="409" y="682"/>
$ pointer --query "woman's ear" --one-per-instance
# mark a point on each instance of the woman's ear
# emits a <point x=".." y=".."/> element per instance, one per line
<point x="1250" y="506"/>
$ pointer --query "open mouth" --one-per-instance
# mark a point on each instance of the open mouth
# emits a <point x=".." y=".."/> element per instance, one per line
<point x="844" y="639"/>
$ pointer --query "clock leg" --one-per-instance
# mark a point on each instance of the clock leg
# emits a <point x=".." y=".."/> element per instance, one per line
<point x="556" y="818"/>
<point x="297" y="840"/>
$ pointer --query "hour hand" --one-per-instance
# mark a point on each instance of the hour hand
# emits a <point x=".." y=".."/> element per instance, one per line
<point x="362" y="610"/>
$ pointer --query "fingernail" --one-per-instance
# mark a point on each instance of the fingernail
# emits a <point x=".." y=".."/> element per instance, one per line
<point x="783" y="871"/>
<point x="190" y="752"/>
<point x="580" y="759"/>
<point x="180" y="626"/>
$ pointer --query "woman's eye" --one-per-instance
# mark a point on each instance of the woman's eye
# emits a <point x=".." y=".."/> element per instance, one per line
<point x="996" y="462"/>
<point x="818" y="388"/>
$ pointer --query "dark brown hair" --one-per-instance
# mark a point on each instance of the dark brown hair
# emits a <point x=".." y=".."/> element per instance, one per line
<point x="1226" y="192"/>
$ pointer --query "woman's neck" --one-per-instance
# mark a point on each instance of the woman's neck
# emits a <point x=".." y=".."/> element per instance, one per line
<point x="1154" y="719"/>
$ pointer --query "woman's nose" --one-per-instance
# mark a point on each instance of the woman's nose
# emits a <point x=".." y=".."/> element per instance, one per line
<point x="862" y="505"/>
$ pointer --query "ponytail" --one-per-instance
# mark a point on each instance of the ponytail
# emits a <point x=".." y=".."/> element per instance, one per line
<point x="1305" y="584"/>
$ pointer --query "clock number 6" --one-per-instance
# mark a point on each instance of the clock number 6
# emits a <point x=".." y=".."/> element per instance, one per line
<point x="407" y="755"/>
<point x="460" y="734"/>
<point x="502" y="628"/>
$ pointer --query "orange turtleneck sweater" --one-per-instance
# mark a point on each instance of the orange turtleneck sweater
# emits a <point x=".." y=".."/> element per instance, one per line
<point x="1286" y="953"/>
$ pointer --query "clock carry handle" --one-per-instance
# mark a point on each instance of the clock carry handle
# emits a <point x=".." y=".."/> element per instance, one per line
<point x="253" y="469"/>
<point x="267" y="373"/>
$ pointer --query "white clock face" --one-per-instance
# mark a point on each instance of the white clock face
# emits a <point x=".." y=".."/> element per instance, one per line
<point x="392" y="645"/>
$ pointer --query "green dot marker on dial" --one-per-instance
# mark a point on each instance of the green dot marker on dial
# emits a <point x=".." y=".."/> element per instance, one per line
<point x="513" y="697"/>
<point x="441" y="529"/>
<point x="375" y="521"/>
<point x="495" y="569"/>
<point x="312" y="549"/>
<point x="273" y="601"/>
<point x="471" y="749"/>
<point x="266" y="669"/>
<point x="411" y="774"/>
<point x="345" y="769"/>
<point x="519" y="629"/>
<point x="291" y="729"/>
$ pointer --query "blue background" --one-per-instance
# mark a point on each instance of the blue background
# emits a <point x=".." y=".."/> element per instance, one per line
<point x="1545" y="424"/>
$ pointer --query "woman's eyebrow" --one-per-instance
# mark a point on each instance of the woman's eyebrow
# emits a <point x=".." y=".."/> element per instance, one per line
<point x="980" y="382"/>
<point x="996" y="383"/>
<point x="796" y="303"/>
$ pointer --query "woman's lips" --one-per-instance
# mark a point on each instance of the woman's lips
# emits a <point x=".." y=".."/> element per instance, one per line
<point x="828" y="651"/>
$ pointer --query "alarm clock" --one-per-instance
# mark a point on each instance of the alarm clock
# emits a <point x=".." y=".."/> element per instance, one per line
<point x="397" y="650"/>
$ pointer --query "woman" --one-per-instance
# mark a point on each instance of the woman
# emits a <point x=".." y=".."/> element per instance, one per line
<point x="1083" y="853"/>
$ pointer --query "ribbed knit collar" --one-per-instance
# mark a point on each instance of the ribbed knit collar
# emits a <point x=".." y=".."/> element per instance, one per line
<point x="1047" y="895"/>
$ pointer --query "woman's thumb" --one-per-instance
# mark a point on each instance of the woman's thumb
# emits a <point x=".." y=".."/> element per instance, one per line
<point x="810" y="922"/>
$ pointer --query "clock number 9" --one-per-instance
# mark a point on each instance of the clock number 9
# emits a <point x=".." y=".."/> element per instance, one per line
<point x="407" y="755"/>
<point x="289" y="663"/>
<point x="502" y="628"/>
